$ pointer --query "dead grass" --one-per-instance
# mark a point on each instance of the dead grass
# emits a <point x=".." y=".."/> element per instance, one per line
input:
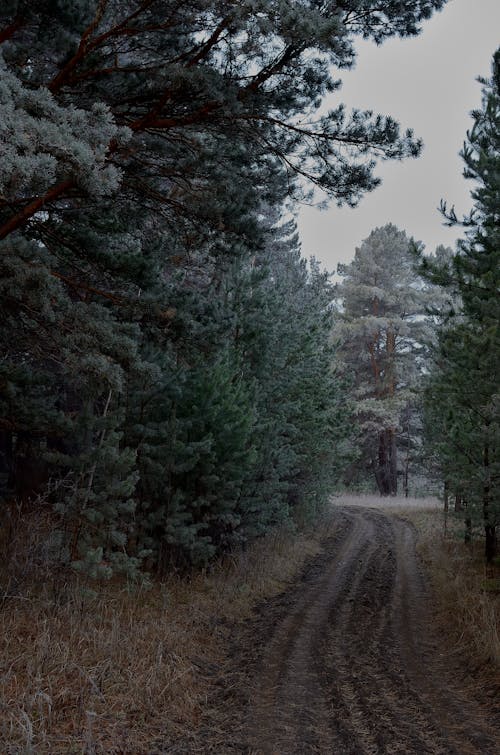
<point x="129" y="671"/>
<point x="468" y="608"/>
<point x="122" y="671"/>
<point x="390" y="503"/>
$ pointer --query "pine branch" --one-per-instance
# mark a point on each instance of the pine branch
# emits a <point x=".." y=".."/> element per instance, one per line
<point x="27" y="212"/>
<point x="84" y="287"/>
<point x="61" y="77"/>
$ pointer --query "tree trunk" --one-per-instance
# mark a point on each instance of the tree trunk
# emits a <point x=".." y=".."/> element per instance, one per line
<point x="446" y="501"/>
<point x="490" y="550"/>
<point x="6" y="461"/>
<point x="386" y="472"/>
<point x="393" y="463"/>
<point x="406" y="475"/>
<point x="490" y="547"/>
<point x="468" y="526"/>
<point x="392" y="459"/>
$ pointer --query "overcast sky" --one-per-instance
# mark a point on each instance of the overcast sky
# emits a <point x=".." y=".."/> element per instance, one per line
<point x="429" y="84"/>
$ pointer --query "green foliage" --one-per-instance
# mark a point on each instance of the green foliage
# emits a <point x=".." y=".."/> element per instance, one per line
<point x="165" y="376"/>
<point x="195" y="455"/>
<point x="463" y="401"/>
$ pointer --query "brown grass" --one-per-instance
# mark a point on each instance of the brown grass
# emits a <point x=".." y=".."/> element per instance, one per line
<point x="390" y="503"/>
<point x="469" y="607"/>
<point x="121" y="671"/>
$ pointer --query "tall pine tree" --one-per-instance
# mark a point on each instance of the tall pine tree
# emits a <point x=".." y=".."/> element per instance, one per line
<point x="463" y="402"/>
<point x="382" y="334"/>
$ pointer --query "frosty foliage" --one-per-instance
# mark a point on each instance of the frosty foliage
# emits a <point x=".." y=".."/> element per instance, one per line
<point x="43" y="142"/>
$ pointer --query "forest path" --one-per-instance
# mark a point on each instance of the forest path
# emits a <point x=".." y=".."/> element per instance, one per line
<point x="347" y="661"/>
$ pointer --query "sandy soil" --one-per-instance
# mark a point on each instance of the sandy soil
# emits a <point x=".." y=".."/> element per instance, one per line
<point x="347" y="661"/>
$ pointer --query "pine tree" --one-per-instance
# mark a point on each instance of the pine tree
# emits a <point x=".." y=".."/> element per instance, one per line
<point x="462" y="395"/>
<point x="300" y="400"/>
<point x="208" y="84"/>
<point x="382" y="337"/>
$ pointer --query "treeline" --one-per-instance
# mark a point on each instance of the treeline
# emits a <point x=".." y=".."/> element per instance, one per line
<point x="166" y="381"/>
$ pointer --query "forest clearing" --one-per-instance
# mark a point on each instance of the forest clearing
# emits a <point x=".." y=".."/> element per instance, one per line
<point x="340" y="640"/>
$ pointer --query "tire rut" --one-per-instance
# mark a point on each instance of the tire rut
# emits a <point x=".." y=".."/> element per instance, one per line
<point x="289" y="705"/>
<point x="352" y="667"/>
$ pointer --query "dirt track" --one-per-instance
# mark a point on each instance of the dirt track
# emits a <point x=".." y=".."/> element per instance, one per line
<point x="346" y="662"/>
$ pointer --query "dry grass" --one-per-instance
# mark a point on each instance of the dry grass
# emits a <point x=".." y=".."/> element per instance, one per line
<point x="123" y="671"/>
<point x="467" y="604"/>
<point x="128" y="671"/>
<point x="390" y="503"/>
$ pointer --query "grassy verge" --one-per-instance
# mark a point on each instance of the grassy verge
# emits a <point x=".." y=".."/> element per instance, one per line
<point x="122" y="671"/>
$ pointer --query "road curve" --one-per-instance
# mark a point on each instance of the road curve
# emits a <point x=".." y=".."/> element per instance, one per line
<point x="351" y="667"/>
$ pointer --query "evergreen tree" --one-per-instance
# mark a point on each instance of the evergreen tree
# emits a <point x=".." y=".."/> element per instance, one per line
<point x="462" y="394"/>
<point x="231" y="445"/>
<point x="193" y="82"/>
<point x="300" y="400"/>
<point x="382" y="336"/>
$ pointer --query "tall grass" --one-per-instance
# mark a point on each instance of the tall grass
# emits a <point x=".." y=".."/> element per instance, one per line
<point x="122" y="671"/>
<point x="468" y="595"/>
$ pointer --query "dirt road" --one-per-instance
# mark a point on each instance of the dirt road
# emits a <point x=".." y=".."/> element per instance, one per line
<point x="346" y="661"/>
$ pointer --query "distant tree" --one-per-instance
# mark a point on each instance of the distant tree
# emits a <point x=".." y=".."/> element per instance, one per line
<point x="301" y="401"/>
<point x="382" y="334"/>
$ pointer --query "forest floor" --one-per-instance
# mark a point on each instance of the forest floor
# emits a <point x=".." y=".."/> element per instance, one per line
<point x="375" y="633"/>
<point x="352" y="658"/>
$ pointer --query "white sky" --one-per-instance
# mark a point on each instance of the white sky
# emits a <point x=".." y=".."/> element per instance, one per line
<point x="429" y="84"/>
